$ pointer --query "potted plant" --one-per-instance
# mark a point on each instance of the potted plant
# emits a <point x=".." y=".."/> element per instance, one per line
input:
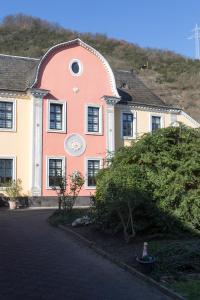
<point x="13" y="191"/>
<point x="146" y="263"/>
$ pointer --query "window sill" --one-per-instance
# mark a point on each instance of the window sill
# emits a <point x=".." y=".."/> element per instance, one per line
<point x="128" y="137"/>
<point x="94" y="133"/>
<point x="3" y="188"/>
<point x="90" y="187"/>
<point x="7" y="130"/>
<point x="56" y="131"/>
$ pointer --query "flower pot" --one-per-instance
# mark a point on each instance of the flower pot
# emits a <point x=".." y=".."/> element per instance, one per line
<point x="145" y="266"/>
<point x="12" y="204"/>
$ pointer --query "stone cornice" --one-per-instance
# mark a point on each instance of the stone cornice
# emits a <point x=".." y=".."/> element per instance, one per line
<point x="150" y="108"/>
<point x="12" y="94"/>
<point x="111" y="100"/>
<point x="38" y="93"/>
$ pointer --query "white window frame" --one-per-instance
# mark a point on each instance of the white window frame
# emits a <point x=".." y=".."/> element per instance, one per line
<point x="13" y="129"/>
<point x="100" y="132"/>
<point x="173" y="119"/>
<point x="134" y="124"/>
<point x="14" y="171"/>
<point x="86" y="170"/>
<point x="155" y="115"/>
<point x="80" y="67"/>
<point x="47" y="169"/>
<point x="64" y="115"/>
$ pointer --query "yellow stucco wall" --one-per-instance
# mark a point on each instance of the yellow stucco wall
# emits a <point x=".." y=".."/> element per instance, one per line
<point x="142" y="119"/>
<point x="18" y="143"/>
<point x="186" y="120"/>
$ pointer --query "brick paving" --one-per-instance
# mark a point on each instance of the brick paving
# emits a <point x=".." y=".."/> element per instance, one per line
<point x="40" y="262"/>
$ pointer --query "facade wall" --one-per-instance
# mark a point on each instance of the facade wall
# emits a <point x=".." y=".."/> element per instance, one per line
<point x="76" y="92"/>
<point x="187" y="120"/>
<point x="17" y="143"/>
<point x="142" y="122"/>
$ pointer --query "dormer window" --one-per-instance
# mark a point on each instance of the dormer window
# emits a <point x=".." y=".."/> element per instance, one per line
<point x="124" y="85"/>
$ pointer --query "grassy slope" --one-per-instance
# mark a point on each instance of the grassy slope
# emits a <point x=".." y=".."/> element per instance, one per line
<point x="175" y="78"/>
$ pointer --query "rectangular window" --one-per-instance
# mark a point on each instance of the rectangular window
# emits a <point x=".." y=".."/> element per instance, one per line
<point x="55" y="171"/>
<point x="155" y="123"/>
<point x="173" y="118"/>
<point x="127" y="121"/>
<point x="56" y="119"/>
<point x="93" y="168"/>
<point x="93" y="119"/>
<point x="6" y="115"/>
<point x="6" y="171"/>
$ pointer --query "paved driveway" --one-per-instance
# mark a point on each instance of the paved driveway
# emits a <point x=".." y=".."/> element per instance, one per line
<point x="38" y="261"/>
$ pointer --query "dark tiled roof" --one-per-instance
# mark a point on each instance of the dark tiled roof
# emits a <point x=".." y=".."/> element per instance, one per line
<point x="133" y="90"/>
<point x="18" y="73"/>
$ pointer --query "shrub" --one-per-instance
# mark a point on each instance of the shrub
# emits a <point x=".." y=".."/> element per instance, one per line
<point x="155" y="183"/>
<point x="14" y="189"/>
<point x="68" y="190"/>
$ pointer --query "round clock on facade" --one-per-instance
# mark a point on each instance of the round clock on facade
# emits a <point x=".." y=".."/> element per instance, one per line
<point x="74" y="144"/>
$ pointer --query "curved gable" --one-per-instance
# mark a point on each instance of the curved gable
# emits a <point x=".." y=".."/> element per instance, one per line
<point x="78" y="42"/>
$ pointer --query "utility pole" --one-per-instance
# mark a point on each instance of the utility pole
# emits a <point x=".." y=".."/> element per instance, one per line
<point x="196" y="36"/>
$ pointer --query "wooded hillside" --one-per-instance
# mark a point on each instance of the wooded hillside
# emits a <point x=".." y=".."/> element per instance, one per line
<point x="173" y="77"/>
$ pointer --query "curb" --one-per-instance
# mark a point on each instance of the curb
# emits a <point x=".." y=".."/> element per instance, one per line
<point x="131" y="270"/>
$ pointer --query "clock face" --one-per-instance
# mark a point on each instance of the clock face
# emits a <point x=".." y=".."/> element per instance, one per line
<point x="75" y="144"/>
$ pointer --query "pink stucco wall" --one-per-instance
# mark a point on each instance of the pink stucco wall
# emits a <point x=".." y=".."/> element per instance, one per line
<point x="93" y="83"/>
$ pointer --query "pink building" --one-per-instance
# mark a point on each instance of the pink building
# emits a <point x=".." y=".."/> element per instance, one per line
<point x="78" y="113"/>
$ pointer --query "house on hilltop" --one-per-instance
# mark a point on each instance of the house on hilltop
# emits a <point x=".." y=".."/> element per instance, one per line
<point x="66" y="111"/>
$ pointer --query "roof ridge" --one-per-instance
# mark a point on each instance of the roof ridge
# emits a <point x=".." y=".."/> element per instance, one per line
<point x="17" y="56"/>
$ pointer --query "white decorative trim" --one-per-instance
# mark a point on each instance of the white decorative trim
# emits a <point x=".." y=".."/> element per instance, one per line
<point x="47" y="168"/>
<point x="74" y="144"/>
<point x="100" y="159"/>
<point x="128" y="111"/>
<point x="64" y="116"/>
<point x="12" y="94"/>
<point x="80" y="67"/>
<point x="110" y="129"/>
<point x="194" y="122"/>
<point x="100" y="132"/>
<point x="162" y="124"/>
<point x="90" y="49"/>
<point x="14" y="171"/>
<point x="13" y="101"/>
<point x="150" y="108"/>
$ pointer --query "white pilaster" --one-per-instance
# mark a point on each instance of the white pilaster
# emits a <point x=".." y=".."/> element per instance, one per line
<point x="110" y="123"/>
<point x="36" y="141"/>
<point x="110" y="136"/>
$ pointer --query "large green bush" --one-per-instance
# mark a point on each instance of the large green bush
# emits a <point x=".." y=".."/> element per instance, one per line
<point x="157" y="179"/>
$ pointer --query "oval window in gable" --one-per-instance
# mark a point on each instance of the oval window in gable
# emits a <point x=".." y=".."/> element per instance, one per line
<point x="75" y="67"/>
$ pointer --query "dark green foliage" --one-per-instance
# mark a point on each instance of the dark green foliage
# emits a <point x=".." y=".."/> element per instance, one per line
<point x="188" y="288"/>
<point x="160" y="175"/>
<point x="176" y="257"/>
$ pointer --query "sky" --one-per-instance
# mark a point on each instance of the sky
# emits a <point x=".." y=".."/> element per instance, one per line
<point x="163" y="24"/>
